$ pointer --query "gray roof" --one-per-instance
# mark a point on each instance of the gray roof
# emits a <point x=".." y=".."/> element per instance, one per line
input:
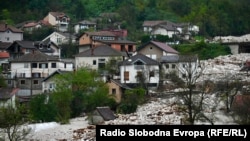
<point x="169" y="59"/>
<point x="106" y="113"/>
<point x="118" y="83"/>
<point x="188" y="58"/>
<point x="23" y="44"/>
<point x="139" y="57"/>
<point x="4" y="45"/>
<point x="103" y="50"/>
<point x="54" y="73"/>
<point x="163" y="46"/>
<point x="6" y="93"/>
<point x="35" y="56"/>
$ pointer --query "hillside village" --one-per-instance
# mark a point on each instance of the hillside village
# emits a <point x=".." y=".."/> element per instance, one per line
<point x="28" y="67"/>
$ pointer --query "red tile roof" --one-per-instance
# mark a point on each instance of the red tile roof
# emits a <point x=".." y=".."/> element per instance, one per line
<point x="4" y="55"/>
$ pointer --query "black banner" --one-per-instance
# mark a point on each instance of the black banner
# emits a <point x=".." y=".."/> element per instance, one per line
<point x="190" y="132"/>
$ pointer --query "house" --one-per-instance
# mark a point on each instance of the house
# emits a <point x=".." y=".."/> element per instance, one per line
<point x="59" y="20"/>
<point x="163" y="27"/>
<point x="60" y="38"/>
<point x="29" y="26"/>
<point x="188" y="67"/>
<point x="48" y="47"/>
<point x="48" y="84"/>
<point x="10" y="33"/>
<point x="91" y="39"/>
<point x="102" y="114"/>
<point x="169" y="65"/>
<point x="116" y="89"/>
<point x="160" y="27"/>
<point x="140" y="70"/>
<point x="19" y="48"/>
<point x="87" y="39"/>
<point x="8" y="97"/>
<point x="97" y="57"/>
<point x="28" y="71"/>
<point x="156" y="50"/>
<point x="84" y="25"/>
<point x="4" y="55"/>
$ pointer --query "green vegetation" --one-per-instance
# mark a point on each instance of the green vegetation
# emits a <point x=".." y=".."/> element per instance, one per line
<point x="76" y="93"/>
<point x="131" y="100"/>
<point x="215" y="18"/>
<point x="12" y="122"/>
<point x="203" y="50"/>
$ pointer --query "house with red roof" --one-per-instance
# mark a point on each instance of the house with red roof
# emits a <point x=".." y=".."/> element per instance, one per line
<point x="57" y="19"/>
<point x="9" y="33"/>
<point x="92" y="39"/>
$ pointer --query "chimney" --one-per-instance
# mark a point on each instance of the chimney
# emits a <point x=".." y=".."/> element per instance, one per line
<point x="6" y="25"/>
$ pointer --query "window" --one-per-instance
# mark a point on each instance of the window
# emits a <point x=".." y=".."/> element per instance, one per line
<point x="9" y="82"/>
<point x="48" y="47"/>
<point x="59" y="40"/>
<point x="51" y="85"/>
<point x="167" y="66"/>
<point x="35" y="82"/>
<point x="36" y="75"/>
<point x="22" y="82"/>
<point x="23" y="75"/>
<point x="26" y="65"/>
<point x="43" y="65"/>
<point x="27" y="50"/>
<point x="101" y="63"/>
<point x="173" y="66"/>
<point x="40" y="46"/>
<point x="53" y="65"/>
<point x="126" y="75"/>
<point x="34" y="65"/>
<point x="94" y="62"/>
<point x="130" y="48"/>
<point x="123" y="48"/>
<point x="113" y="91"/>
<point x="151" y="74"/>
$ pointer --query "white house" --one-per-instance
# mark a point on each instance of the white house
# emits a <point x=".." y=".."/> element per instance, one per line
<point x="9" y="33"/>
<point x="189" y="68"/>
<point x="60" y="38"/>
<point x="29" y="70"/>
<point x="48" y="83"/>
<point x="8" y="97"/>
<point x="84" y="25"/>
<point x="96" y="57"/>
<point x="140" y="66"/>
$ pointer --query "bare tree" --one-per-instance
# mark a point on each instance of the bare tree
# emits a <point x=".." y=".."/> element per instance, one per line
<point x="144" y="77"/>
<point x="190" y="69"/>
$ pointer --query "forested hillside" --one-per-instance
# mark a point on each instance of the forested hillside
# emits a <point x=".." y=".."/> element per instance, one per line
<point x="214" y="17"/>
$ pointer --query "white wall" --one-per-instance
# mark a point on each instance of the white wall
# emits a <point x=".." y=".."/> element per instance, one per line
<point x="133" y="73"/>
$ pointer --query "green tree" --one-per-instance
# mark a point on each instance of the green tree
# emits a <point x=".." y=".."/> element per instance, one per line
<point x="13" y="122"/>
<point x="83" y="88"/>
<point x="42" y="108"/>
<point x="131" y="99"/>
